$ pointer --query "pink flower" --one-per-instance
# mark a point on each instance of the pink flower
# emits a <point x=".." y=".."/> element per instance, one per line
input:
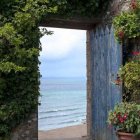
<point x="121" y="120"/>
<point x="136" y="53"/>
<point x="125" y="117"/>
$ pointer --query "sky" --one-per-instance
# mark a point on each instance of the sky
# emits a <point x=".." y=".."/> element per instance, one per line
<point x="63" y="53"/>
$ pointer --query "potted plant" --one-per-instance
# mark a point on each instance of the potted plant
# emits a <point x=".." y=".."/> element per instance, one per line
<point x="125" y="119"/>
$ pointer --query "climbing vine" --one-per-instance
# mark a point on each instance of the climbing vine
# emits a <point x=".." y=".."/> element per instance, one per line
<point x="19" y="51"/>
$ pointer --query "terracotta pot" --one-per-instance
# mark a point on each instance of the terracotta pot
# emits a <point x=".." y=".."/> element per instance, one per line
<point x="126" y="136"/>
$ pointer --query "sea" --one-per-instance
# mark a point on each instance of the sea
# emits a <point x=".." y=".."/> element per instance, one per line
<point x="63" y="102"/>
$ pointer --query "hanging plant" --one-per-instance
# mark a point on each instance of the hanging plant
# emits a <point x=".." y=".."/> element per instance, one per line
<point x="127" y="24"/>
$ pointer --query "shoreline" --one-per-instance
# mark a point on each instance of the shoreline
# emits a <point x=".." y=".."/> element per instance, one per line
<point x="70" y="132"/>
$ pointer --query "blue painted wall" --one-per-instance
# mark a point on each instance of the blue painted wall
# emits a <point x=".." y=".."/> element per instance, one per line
<point x="106" y="57"/>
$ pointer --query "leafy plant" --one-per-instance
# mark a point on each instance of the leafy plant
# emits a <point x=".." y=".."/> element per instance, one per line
<point x="19" y="51"/>
<point x="130" y="75"/>
<point x="72" y="8"/>
<point x="125" y="117"/>
<point x="127" y="24"/>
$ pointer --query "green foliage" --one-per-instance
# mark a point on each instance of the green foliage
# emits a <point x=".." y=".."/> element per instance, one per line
<point x="72" y="8"/>
<point x="9" y="66"/>
<point x="9" y="35"/>
<point x="130" y="75"/>
<point x="127" y="23"/>
<point x="19" y="51"/>
<point x="125" y="117"/>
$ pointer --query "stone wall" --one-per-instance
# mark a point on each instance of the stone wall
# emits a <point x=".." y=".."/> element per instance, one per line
<point x="27" y="130"/>
<point x="116" y="6"/>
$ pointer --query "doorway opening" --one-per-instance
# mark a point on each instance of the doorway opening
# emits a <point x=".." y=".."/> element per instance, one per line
<point x="62" y="113"/>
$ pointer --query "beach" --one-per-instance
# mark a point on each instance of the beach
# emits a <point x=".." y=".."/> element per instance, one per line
<point x="62" y="112"/>
<point x="77" y="132"/>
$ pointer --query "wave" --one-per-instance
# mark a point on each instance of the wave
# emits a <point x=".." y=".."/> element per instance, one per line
<point x="63" y="103"/>
<point x="69" y="122"/>
<point x="59" y="110"/>
<point x="63" y="115"/>
<point x="46" y="109"/>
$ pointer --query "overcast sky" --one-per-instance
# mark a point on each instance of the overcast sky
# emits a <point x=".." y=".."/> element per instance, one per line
<point x="63" y="53"/>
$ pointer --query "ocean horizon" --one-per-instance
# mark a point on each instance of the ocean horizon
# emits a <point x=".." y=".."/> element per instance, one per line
<point x="63" y="102"/>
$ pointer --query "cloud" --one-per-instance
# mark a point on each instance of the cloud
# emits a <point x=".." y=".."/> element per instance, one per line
<point x="61" y="43"/>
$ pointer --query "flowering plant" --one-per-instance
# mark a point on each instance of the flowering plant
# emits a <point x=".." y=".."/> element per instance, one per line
<point x="127" y="24"/>
<point x="125" y="117"/>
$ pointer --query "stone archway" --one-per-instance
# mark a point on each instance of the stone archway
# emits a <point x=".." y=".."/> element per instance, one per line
<point x="28" y="130"/>
<point x="82" y="24"/>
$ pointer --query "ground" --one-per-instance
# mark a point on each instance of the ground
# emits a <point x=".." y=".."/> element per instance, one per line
<point x="78" y="132"/>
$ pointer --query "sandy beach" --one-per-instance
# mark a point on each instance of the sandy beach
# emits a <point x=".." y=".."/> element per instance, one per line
<point x="77" y="132"/>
